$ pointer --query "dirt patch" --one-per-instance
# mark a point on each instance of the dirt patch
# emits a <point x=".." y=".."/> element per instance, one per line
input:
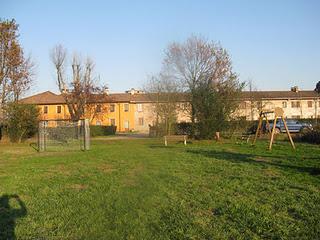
<point x="58" y="169"/>
<point x="78" y="187"/>
<point x="106" y="168"/>
<point x="271" y="173"/>
<point x="131" y="179"/>
<point x="261" y="159"/>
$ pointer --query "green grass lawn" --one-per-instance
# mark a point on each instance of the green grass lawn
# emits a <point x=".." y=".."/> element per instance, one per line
<point x="139" y="189"/>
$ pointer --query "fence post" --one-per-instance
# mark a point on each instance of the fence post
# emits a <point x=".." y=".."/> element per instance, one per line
<point x="86" y="134"/>
<point x="41" y="136"/>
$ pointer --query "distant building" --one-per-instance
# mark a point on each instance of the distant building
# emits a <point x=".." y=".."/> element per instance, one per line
<point x="132" y="110"/>
<point x="296" y="104"/>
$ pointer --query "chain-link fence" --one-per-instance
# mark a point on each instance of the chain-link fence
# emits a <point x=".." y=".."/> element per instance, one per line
<point x="63" y="135"/>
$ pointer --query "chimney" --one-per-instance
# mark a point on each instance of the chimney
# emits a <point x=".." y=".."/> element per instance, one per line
<point x="106" y="91"/>
<point x="295" y="89"/>
<point x="133" y="91"/>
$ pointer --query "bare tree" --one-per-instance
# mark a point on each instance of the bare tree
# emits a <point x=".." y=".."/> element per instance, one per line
<point x="16" y="71"/>
<point x="205" y="71"/>
<point x="79" y="90"/>
<point x="164" y="93"/>
<point x="255" y="101"/>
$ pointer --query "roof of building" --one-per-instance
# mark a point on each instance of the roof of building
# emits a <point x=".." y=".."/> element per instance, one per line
<point x="280" y="94"/>
<point x="52" y="98"/>
<point x="44" y="98"/>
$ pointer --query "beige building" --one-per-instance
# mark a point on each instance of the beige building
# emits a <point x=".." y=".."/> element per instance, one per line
<point x="296" y="104"/>
<point x="133" y="110"/>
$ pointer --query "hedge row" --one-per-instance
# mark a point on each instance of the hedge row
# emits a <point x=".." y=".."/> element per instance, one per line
<point x="102" y="130"/>
<point x="309" y="136"/>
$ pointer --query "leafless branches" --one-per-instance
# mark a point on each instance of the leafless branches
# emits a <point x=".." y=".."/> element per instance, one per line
<point x="82" y="88"/>
<point x="198" y="61"/>
<point x="203" y="72"/>
<point x="165" y="96"/>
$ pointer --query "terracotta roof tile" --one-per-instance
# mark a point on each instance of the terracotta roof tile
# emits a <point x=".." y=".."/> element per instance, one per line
<point x="279" y="94"/>
<point x="52" y="98"/>
<point x="44" y="98"/>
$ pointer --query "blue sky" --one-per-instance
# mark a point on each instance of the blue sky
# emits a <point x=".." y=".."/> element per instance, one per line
<point x="276" y="44"/>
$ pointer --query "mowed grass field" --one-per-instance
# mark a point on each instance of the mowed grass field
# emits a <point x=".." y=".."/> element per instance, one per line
<point x="139" y="189"/>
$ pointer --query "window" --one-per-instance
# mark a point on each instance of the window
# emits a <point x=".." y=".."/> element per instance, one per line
<point x="243" y="105"/>
<point x="45" y="109"/>
<point x="112" y="108"/>
<point x="259" y="105"/>
<point x="112" y="122"/>
<point x="126" y="107"/>
<point x="284" y="104"/>
<point x="139" y="107"/>
<point x="98" y="108"/>
<point x="295" y="104"/>
<point x="141" y="121"/>
<point x="98" y="123"/>
<point x="126" y="125"/>
<point x="309" y="104"/>
<point x="58" y="109"/>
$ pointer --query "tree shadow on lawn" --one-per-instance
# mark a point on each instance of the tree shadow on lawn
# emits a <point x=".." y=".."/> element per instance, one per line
<point x="171" y="145"/>
<point x="253" y="159"/>
<point x="8" y="215"/>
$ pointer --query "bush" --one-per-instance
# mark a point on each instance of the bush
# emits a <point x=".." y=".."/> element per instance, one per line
<point x="21" y="121"/>
<point x="309" y="136"/>
<point x="102" y="130"/>
<point x="183" y="128"/>
<point x="240" y="127"/>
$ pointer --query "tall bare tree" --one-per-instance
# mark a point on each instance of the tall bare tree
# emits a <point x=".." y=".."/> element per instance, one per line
<point x="205" y="71"/>
<point x="16" y="70"/>
<point x="79" y="89"/>
<point x="255" y="101"/>
<point x="165" y="96"/>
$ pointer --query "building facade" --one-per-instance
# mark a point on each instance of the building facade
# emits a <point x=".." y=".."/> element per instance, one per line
<point x="133" y="110"/>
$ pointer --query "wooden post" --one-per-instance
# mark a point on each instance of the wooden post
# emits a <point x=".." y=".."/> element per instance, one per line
<point x="165" y="141"/>
<point x="184" y="140"/>
<point x="86" y="134"/>
<point x="267" y="124"/>
<point x="288" y="133"/>
<point x="272" y="133"/>
<point x="217" y="136"/>
<point x="257" y="131"/>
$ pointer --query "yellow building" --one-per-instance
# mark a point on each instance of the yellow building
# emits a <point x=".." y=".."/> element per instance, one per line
<point x="124" y="110"/>
<point x="132" y="110"/>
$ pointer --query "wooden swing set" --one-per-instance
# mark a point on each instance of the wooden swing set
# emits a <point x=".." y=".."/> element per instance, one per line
<point x="278" y="114"/>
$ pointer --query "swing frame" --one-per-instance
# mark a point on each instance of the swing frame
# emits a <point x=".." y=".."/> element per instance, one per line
<point x="278" y="114"/>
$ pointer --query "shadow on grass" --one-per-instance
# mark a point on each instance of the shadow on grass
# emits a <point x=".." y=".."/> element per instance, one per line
<point x="34" y="146"/>
<point x="161" y="146"/>
<point x="252" y="159"/>
<point x="170" y="145"/>
<point x="8" y="215"/>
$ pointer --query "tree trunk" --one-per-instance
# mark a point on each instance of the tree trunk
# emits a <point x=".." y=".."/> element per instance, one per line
<point x="217" y="136"/>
